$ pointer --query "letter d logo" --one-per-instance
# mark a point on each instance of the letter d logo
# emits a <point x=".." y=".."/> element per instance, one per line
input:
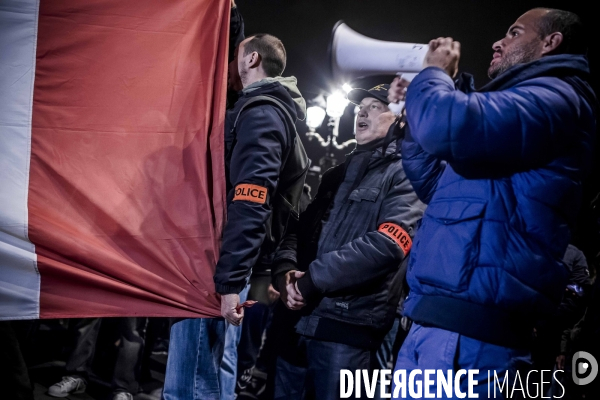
<point x="584" y="364"/>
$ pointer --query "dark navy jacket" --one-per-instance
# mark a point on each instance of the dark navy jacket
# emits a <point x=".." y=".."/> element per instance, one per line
<point x="353" y="277"/>
<point x="255" y="154"/>
<point x="501" y="170"/>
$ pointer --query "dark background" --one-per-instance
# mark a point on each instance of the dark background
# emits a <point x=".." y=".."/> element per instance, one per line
<point x="305" y="28"/>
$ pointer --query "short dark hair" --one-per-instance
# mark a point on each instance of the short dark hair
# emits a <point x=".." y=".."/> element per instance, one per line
<point x="570" y="25"/>
<point x="271" y="51"/>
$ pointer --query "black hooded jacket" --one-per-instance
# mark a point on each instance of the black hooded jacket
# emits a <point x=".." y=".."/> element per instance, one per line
<point x="262" y="153"/>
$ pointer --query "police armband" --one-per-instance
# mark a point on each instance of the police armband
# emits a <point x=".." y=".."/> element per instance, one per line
<point x="398" y="235"/>
<point x="249" y="192"/>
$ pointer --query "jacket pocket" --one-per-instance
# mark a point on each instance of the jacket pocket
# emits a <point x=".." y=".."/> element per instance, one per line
<point x="361" y="194"/>
<point x="448" y="244"/>
<point x="360" y="208"/>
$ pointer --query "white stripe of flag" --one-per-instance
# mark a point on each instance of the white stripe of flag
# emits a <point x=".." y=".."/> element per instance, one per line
<point x="19" y="277"/>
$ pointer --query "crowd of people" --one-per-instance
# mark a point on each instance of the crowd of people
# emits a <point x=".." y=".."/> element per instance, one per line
<point x="441" y="242"/>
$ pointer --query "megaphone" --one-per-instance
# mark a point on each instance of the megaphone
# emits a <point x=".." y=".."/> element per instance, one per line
<point x="355" y="56"/>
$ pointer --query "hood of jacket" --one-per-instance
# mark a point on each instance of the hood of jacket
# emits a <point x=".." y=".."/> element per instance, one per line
<point x="285" y="89"/>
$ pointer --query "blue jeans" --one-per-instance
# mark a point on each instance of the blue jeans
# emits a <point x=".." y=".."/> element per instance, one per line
<point x="228" y="370"/>
<point x="194" y="357"/>
<point x="383" y="356"/>
<point x="318" y="377"/>
<point x="438" y="349"/>
<point x="197" y="368"/>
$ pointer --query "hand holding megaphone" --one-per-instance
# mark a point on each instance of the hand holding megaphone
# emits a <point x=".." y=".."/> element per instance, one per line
<point x="443" y="53"/>
<point x="354" y="56"/>
<point x="397" y="91"/>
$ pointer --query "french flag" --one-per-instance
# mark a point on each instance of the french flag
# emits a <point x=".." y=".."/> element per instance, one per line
<point x="112" y="190"/>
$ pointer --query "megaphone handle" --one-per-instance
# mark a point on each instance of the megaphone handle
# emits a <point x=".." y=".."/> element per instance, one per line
<point x="396" y="108"/>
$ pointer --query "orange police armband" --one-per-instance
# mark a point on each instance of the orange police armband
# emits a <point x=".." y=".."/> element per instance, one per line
<point x="398" y="235"/>
<point x="249" y="192"/>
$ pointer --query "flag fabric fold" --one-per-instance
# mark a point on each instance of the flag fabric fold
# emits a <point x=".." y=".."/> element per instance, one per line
<point x="112" y="195"/>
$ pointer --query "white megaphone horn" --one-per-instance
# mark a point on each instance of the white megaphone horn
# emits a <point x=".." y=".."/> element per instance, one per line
<point x="355" y="56"/>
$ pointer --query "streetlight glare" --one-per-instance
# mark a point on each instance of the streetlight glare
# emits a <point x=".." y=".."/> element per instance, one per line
<point x="336" y="104"/>
<point x="314" y="116"/>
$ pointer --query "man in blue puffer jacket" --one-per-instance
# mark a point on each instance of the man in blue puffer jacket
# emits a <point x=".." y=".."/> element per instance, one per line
<point x="501" y="170"/>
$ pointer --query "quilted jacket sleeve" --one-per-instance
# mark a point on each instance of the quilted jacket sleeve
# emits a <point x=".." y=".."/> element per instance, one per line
<point x="523" y="125"/>
<point x="422" y="169"/>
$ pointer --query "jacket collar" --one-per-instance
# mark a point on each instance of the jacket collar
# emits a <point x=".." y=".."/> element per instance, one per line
<point x="561" y="65"/>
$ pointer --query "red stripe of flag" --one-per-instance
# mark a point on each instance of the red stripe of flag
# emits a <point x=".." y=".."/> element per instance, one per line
<point x="126" y="195"/>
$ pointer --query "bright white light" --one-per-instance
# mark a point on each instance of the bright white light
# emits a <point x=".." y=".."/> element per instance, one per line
<point x="314" y="116"/>
<point x="347" y="88"/>
<point x="336" y="104"/>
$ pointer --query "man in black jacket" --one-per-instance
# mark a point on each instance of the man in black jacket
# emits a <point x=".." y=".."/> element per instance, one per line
<point x="265" y="169"/>
<point x="352" y="241"/>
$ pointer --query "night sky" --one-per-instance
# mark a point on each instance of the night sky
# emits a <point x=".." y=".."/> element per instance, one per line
<point x="305" y="28"/>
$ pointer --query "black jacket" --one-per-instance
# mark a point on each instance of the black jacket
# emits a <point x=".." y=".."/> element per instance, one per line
<point x="573" y="304"/>
<point x="354" y="273"/>
<point x="258" y="152"/>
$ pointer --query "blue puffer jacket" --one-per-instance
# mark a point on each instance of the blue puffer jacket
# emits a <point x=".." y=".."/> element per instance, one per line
<point x="501" y="171"/>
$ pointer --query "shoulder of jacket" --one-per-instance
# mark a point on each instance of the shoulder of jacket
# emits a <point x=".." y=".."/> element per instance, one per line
<point x="391" y="163"/>
<point x="330" y="179"/>
<point x="262" y="107"/>
<point x="550" y="82"/>
<point x="262" y="110"/>
<point x="394" y="170"/>
<point x="333" y="172"/>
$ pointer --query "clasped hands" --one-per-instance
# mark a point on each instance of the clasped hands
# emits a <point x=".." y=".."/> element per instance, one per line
<point x="288" y="289"/>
